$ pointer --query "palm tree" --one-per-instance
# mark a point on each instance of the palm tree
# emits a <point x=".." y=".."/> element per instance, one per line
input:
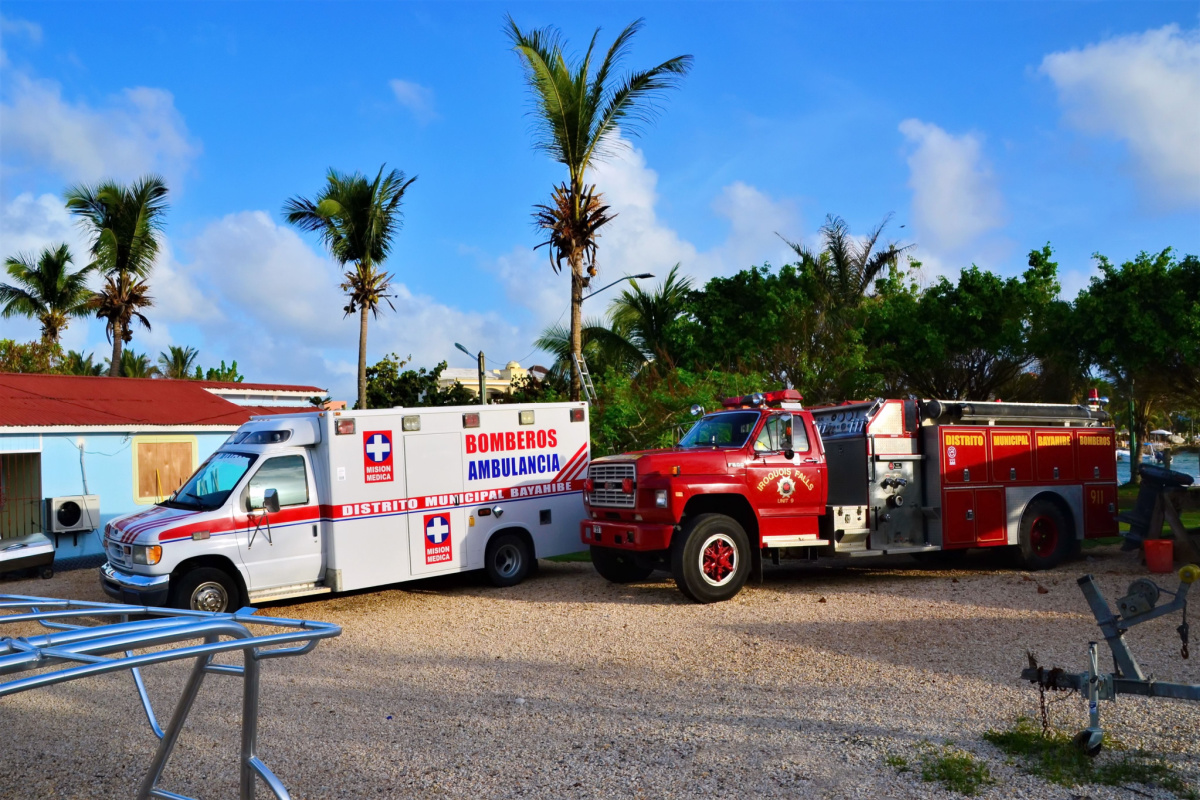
<point x="357" y="220"/>
<point x="846" y="267"/>
<point x="136" y="365"/>
<point x="120" y="302"/>
<point x="578" y="113"/>
<point x="643" y="318"/>
<point x="46" y="290"/>
<point x="76" y="363"/>
<point x="178" y="362"/>
<point x="602" y="346"/>
<point x="126" y="223"/>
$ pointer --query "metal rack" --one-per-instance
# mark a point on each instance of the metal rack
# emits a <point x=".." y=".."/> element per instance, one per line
<point x="99" y="638"/>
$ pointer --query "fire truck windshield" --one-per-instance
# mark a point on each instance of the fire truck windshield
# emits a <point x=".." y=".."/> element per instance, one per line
<point x="212" y="483"/>
<point x="730" y="429"/>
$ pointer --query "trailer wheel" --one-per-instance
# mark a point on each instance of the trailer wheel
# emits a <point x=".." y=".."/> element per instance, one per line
<point x="618" y="567"/>
<point x="206" y="589"/>
<point x="711" y="559"/>
<point x="1046" y="538"/>
<point x="47" y="573"/>
<point x="507" y="560"/>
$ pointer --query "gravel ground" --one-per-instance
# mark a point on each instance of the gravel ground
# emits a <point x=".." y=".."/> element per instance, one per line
<point x="569" y="687"/>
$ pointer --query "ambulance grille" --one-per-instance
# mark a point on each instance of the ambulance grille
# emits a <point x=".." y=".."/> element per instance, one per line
<point x="606" y="480"/>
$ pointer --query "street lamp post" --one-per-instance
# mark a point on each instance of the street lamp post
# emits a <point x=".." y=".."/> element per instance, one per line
<point x="482" y="383"/>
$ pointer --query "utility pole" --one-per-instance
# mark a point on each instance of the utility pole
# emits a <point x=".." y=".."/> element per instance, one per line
<point x="482" y="374"/>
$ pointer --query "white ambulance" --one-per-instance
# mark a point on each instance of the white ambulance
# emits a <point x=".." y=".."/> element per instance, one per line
<point x="310" y="503"/>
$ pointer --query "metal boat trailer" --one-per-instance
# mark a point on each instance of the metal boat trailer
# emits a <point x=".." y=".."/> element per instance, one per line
<point x="1136" y="607"/>
<point x="99" y="638"/>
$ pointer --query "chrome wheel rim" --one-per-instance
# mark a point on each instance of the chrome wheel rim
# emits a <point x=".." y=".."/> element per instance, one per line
<point x="507" y="560"/>
<point x="210" y="596"/>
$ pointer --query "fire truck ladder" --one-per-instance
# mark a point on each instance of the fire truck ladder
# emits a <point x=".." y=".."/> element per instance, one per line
<point x="585" y="378"/>
<point x="90" y="638"/>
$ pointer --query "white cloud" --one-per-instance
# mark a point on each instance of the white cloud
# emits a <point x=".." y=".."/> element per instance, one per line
<point x="21" y="27"/>
<point x="1143" y="89"/>
<point x="955" y="198"/>
<point x="133" y="133"/>
<point x="416" y="98"/>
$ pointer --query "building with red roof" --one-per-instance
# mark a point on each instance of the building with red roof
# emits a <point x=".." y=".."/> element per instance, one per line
<point x="76" y="451"/>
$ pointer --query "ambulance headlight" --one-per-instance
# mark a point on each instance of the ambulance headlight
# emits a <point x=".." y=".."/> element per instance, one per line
<point x="660" y="498"/>
<point x="147" y="554"/>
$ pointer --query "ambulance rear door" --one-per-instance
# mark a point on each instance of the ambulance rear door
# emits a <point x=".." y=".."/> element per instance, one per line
<point x="437" y="530"/>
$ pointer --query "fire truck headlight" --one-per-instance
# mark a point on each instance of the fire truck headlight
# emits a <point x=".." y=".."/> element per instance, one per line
<point x="149" y="554"/>
<point x="660" y="498"/>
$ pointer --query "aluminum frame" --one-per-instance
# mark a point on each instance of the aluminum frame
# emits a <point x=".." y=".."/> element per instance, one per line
<point x="87" y="641"/>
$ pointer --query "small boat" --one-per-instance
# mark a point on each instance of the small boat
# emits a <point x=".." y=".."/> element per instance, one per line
<point x="1122" y="455"/>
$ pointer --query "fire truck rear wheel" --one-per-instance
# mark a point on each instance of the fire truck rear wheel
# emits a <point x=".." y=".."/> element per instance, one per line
<point x="618" y="567"/>
<point x="207" y="589"/>
<point x="1046" y="538"/>
<point x="507" y="560"/>
<point x="711" y="558"/>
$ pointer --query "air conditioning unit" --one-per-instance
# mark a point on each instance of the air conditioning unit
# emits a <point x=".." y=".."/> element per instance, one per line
<point x="79" y="512"/>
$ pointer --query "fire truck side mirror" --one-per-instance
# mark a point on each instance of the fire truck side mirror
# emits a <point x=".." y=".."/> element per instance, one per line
<point x="785" y="435"/>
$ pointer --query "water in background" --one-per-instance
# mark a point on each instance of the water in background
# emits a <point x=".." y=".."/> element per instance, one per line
<point x="1183" y="462"/>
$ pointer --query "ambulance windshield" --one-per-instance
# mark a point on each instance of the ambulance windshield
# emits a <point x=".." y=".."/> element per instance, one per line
<point x="722" y="430"/>
<point x="210" y="487"/>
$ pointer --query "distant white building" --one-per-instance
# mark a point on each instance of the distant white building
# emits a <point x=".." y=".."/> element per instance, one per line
<point x="496" y="381"/>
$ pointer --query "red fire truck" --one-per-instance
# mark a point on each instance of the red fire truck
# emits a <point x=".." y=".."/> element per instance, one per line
<point x="765" y="476"/>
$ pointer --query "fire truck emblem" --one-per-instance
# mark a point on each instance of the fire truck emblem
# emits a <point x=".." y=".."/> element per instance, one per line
<point x="787" y="488"/>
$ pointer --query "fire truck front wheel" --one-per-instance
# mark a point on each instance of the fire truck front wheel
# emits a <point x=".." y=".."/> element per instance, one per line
<point x="508" y="559"/>
<point x="206" y="589"/>
<point x="1046" y="538"/>
<point x="617" y="567"/>
<point x="711" y="559"/>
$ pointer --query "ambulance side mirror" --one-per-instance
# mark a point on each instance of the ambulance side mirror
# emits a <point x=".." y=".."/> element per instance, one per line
<point x="785" y="437"/>
<point x="271" y="501"/>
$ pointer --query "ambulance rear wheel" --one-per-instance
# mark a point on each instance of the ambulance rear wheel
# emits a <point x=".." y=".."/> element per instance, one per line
<point x="618" y="567"/>
<point x="711" y="558"/>
<point x="1046" y="538"/>
<point x="508" y="559"/>
<point x="207" y="589"/>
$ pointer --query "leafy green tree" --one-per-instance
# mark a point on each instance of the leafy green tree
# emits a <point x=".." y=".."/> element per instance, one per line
<point x="76" y="363"/>
<point x="358" y="220"/>
<point x="768" y="321"/>
<point x="390" y="385"/>
<point x="964" y="340"/>
<point x="30" y="357"/>
<point x="178" y="362"/>
<point x="652" y="409"/>
<point x="136" y="365"/>
<point x="126" y="226"/>
<point x="578" y="112"/>
<point x="646" y="319"/>
<point x="1139" y="326"/>
<point x="46" y="290"/>
<point x="222" y="373"/>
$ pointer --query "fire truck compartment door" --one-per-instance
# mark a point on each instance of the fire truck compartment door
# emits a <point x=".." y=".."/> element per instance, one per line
<point x="437" y="530"/>
<point x="284" y="547"/>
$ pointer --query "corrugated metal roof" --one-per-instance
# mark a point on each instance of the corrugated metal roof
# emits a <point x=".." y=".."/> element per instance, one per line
<point x="66" y="400"/>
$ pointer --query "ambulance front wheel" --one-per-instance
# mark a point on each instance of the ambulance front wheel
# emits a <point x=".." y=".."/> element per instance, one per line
<point x="508" y="559"/>
<point x="206" y="589"/>
<point x="1046" y="538"/>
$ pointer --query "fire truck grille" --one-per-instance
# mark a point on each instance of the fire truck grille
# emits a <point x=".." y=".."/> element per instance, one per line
<point x="606" y="485"/>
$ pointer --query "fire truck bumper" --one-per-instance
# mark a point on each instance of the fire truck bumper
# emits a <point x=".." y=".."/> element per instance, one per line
<point x="639" y="536"/>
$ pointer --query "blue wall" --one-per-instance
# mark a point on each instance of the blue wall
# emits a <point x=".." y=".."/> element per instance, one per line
<point x="108" y="464"/>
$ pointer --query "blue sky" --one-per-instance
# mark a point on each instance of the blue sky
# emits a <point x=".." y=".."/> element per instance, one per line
<point x="987" y="129"/>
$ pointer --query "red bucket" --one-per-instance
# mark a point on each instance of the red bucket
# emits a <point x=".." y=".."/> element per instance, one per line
<point x="1160" y="556"/>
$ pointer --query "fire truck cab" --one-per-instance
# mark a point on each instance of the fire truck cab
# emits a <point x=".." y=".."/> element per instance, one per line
<point x="765" y="476"/>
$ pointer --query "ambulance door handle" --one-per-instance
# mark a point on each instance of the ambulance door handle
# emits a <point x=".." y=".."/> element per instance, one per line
<point x="314" y="531"/>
